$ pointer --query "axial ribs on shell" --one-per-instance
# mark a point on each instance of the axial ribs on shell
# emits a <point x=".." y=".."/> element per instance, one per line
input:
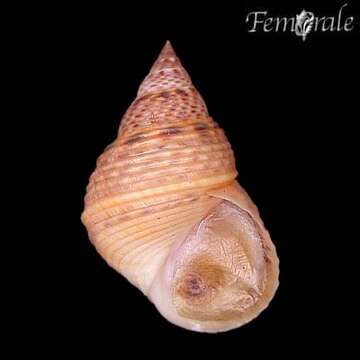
<point x="127" y="160"/>
<point x="158" y="164"/>
<point x="158" y="207"/>
<point x="125" y="194"/>
<point x="149" y="227"/>
<point x="121" y="250"/>
<point x="156" y="216"/>
<point x="158" y="173"/>
<point x="169" y="167"/>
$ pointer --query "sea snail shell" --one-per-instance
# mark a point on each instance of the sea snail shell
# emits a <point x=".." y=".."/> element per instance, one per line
<point x="163" y="208"/>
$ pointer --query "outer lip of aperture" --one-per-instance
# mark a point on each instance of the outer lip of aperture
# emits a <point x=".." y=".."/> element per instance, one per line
<point x="161" y="290"/>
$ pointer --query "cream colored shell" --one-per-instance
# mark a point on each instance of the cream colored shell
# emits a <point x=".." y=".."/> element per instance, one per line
<point x="170" y="165"/>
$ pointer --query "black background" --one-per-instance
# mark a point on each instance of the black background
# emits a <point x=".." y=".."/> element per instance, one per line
<point x="288" y="109"/>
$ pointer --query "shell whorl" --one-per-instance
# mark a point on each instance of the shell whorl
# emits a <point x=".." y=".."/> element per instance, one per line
<point x="165" y="98"/>
<point x="163" y="208"/>
<point x="150" y="185"/>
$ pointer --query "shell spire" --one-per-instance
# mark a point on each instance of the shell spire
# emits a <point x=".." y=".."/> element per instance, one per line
<point x="166" y="73"/>
<point x="165" y="97"/>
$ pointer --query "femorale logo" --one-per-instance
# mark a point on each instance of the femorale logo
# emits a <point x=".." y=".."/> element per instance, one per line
<point x="301" y="24"/>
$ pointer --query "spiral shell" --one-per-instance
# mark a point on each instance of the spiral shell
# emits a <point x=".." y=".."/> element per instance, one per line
<point x="168" y="169"/>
